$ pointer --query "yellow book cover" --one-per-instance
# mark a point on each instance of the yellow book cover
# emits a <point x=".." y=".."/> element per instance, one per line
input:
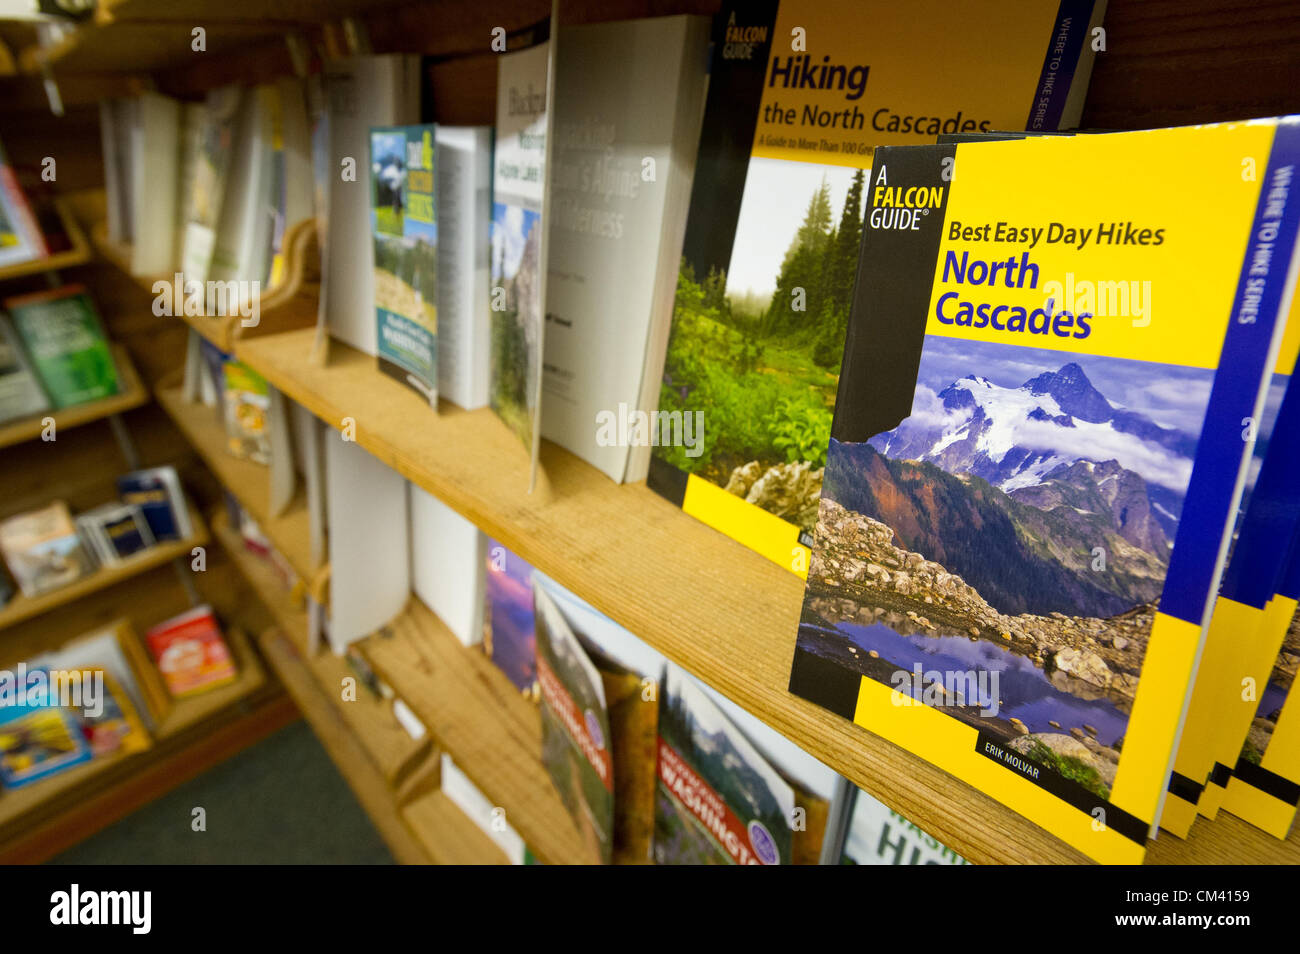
<point x="1038" y="454"/>
<point x="800" y="93"/>
<point x="1264" y="787"/>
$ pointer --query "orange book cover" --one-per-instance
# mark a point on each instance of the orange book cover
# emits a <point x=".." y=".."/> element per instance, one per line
<point x="191" y="653"/>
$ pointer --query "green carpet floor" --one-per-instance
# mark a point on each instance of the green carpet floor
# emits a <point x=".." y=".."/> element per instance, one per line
<point x="279" y="802"/>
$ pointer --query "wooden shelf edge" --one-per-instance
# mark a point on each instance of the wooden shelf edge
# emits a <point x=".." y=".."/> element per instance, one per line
<point x="249" y="482"/>
<point x="79" y="254"/>
<point x="131" y="394"/>
<point x="22" y="608"/>
<point x="478" y="718"/>
<point x="732" y="616"/>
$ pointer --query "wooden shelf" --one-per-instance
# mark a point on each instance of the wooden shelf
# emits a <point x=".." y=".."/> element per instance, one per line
<point x="132" y="393"/>
<point x="250" y="483"/>
<point x="721" y="611"/>
<point x="22" y="608"/>
<point x="480" y="719"/>
<point x="393" y="752"/>
<point x="185" y="714"/>
<point x="425" y="829"/>
<point x="447" y="835"/>
<point x="79" y="254"/>
<point x="289" y="305"/>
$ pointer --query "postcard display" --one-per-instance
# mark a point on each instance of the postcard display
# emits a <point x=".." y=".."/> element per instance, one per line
<point x="1030" y="485"/>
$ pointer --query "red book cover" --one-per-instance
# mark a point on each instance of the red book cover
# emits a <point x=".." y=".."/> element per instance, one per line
<point x="190" y="652"/>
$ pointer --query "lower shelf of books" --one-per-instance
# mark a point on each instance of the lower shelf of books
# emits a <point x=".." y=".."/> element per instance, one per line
<point x="47" y="815"/>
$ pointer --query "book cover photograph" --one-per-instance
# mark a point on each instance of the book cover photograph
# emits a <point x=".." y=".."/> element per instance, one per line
<point x="519" y="248"/>
<point x="776" y="214"/>
<point x="509" y="635"/>
<point x="1031" y="480"/>
<point x="718" y="800"/>
<point x="576" y="735"/>
<point x="67" y="344"/>
<point x="405" y="228"/>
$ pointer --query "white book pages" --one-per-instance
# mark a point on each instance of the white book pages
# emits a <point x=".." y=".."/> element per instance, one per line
<point x="155" y="157"/>
<point x="466" y="796"/>
<point x="447" y="565"/>
<point x="370" y="579"/>
<point x="311" y="464"/>
<point x="464" y="166"/>
<point x="361" y="92"/>
<point x="243" y="240"/>
<point x="283" y="469"/>
<point x="612" y="172"/>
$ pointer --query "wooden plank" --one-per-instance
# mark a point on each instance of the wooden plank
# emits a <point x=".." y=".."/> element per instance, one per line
<point x="346" y="751"/>
<point x="250" y="482"/>
<point x="22" y="608"/>
<point x="479" y="718"/>
<point x="447" y="835"/>
<point x="131" y="394"/>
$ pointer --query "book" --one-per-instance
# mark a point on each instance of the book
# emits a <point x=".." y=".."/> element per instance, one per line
<point x="448" y="565"/>
<point x="42" y="549"/>
<point x="20" y="391"/>
<point x="242" y="251"/>
<point x="369" y="542"/>
<point x="190" y="653"/>
<point x="404" y="224"/>
<point x="115" y="125"/>
<point x="519" y="237"/>
<point x="576" y="736"/>
<point x="39" y="737"/>
<point x="770" y="251"/>
<point x="155" y="168"/>
<point x="583" y="654"/>
<point x="878" y="835"/>
<point x="246" y="402"/>
<point x="1257" y="558"/>
<point x="116" y="649"/>
<point x="294" y="188"/>
<point x="191" y="129"/>
<point x="157" y="492"/>
<point x="491" y="820"/>
<point x="1264" y="787"/>
<point x="360" y="92"/>
<point x="113" y="725"/>
<point x="620" y="179"/>
<point x="115" y="531"/>
<point x="63" y="335"/>
<point x="1016" y="522"/>
<point x="207" y="188"/>
<point x="464" y="181"/>
<point x="718" y="800"/>
<point x="20" y="234"/>
<point x="509" y="634"/>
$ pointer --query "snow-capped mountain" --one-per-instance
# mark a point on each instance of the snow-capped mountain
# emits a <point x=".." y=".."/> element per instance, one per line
<point x="1017" y="438"/>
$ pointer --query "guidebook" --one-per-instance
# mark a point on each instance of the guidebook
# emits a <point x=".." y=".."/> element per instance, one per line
<point x="1264" y="787"/>
<point x="404" y="223"/>
<point x="1220" y="706"/>
<point x="621" y="178"/>
<point x="20" y="393"/>
<point x="878" y="835"/>
<point x="519" y="247"/>
<point x="509" y="636"/>
<point x="1038" y="454"/>
<point x="63" y="334"/>
<point x="800" y="93"/>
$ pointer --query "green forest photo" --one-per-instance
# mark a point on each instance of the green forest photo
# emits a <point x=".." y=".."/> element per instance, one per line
<point x="757" y="348"/>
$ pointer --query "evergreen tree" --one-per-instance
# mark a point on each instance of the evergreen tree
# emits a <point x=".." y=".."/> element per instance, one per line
<point x="848" y="239"/>
<point x="803" y="267"/>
